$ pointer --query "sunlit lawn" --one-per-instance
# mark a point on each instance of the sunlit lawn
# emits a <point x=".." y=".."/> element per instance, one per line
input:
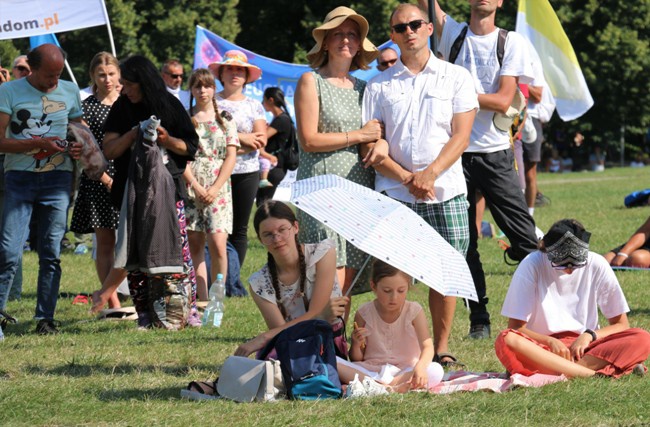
<point x="107" y="373"/>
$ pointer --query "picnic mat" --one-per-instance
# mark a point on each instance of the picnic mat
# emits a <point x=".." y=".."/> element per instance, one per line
<point x="622" y="268"/>
<point x="497" y="382"/>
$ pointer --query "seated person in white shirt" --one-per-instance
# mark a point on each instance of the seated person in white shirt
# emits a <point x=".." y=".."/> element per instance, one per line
<point x="552" y="305"/>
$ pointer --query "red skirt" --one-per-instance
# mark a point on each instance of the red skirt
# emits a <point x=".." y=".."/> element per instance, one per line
<point x="623" y="351"/>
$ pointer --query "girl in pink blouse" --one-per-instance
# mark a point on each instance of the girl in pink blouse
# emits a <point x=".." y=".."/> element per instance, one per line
<point x="391" y="341"/>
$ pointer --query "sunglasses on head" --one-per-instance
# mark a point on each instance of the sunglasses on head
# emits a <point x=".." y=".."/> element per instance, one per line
<point x="414" y="25"/>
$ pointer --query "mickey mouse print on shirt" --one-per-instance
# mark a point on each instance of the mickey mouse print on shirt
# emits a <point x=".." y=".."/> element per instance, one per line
<point x="38" y="127"/>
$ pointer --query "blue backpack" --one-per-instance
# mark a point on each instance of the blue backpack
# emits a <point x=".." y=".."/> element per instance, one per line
<point x="637" y="198"/>
<point x="307" y="360"/>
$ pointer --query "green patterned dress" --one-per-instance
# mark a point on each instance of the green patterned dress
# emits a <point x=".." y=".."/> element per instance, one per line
<point x="340" y="111"/>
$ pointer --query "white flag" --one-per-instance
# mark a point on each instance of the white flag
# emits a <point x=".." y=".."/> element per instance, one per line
<point x="537" y="21"/>
<point x="26" y="18"/>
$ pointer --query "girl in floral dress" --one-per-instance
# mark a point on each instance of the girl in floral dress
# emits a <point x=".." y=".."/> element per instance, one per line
<point x="209" y="204"/>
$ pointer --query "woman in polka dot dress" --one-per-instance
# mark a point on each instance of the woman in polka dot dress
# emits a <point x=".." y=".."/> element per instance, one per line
<point x="328" y="117"/>
<point x="93" y="211"/>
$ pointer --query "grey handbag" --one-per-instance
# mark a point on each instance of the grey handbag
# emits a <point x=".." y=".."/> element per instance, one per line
<point x="246" y="380"/>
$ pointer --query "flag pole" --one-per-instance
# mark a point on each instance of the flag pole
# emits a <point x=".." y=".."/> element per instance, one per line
<point x="67" y="67"/>
<point x="432" y="16"/>
<point x="110" y="31"/>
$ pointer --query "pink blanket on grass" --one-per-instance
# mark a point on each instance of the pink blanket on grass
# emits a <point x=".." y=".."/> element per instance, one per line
<point x="492" y="381"/>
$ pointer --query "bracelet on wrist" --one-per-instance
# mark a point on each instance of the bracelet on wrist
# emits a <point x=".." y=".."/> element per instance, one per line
<point x="623" y="254"/>
<point x="594" y="337"/>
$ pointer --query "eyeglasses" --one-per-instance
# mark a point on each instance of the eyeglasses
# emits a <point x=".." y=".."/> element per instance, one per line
<point x="21" y="68"/>
<point x="413" y="25"/>
<point x="282" y="234"/>
<point x="388" y="63"/>
<point x="352" y="36"/>
<point x="174" y="76"/>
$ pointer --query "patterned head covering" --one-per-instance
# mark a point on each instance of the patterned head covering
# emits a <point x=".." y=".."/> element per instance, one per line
<point x="567" y="244"/>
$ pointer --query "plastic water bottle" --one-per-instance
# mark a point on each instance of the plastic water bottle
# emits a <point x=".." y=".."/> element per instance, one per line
<point x="215" y="308"/>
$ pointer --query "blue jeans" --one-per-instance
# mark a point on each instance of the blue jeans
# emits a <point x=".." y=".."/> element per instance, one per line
<point x="48" y="193"/>
<point x="17" y="285"/>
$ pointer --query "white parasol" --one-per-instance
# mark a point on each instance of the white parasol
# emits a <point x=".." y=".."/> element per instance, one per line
<point x="387" y="230"/>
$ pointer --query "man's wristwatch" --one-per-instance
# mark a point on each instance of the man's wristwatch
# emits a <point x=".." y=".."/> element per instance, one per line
<point x="594" y="337"/>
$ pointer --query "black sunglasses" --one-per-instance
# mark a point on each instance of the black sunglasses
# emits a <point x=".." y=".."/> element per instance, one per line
<point x="21" y="68"/>
<point x="414" y="25"/>
<point x="174" y="76"/>
<point x="387" y="63"/>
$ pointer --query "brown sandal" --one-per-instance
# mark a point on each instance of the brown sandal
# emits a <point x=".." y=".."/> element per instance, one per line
<point x="453" y="363"/>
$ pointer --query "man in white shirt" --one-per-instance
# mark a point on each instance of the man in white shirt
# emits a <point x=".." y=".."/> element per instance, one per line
<point x="427" y="107"/>
<point x="172" y="74"/>
<point x="488" y="161"/>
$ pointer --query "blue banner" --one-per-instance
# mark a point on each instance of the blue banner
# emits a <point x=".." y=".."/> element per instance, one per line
<point x="36" y="41"/>
<point x="210" y="48"/>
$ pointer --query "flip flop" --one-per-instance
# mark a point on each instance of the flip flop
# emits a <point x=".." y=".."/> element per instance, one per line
<point x="123" y="313"/>
<point x="201" y="390"/>
<point x="453" y="363"/>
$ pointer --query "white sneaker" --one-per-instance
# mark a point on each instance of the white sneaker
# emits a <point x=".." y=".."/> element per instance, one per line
<point x="373" y="388"/>
<point x="355" y="389"/>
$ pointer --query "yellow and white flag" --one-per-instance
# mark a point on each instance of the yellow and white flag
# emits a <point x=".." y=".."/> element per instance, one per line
<point x="537" y="21"/>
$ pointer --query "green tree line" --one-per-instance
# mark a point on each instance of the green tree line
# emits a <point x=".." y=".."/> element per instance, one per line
<point x="610" y="39"/>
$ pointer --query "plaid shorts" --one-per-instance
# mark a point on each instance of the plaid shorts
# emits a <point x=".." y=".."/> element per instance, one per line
<point x="448" y="218"/>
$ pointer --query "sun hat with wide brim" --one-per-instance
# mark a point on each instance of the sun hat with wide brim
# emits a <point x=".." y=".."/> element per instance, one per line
<point x="237" y="58"/>
<point x="504" y="121"/>
<point x="369" y="51"/>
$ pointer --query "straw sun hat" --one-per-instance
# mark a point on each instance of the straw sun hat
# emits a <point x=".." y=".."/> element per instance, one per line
<point x="369" y="52"/>
<point x="237" y="58"/>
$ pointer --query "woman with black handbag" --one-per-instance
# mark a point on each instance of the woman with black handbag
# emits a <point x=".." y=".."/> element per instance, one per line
<point x="277" y="134"/>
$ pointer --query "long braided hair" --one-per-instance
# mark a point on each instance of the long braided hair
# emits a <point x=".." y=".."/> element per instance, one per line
<point x="279" y="210"/>
<point x="203" y="77"/>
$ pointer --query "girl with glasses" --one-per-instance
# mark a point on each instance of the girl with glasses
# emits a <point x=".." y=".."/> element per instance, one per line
<point x="298" y="282"/>
<point x="552" y="305"/>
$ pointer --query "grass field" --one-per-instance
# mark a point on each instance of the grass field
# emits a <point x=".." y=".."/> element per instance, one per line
<point x="107" y="373"/>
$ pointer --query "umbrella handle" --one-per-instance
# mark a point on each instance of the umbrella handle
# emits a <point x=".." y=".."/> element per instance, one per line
<point x="354" y="282"/>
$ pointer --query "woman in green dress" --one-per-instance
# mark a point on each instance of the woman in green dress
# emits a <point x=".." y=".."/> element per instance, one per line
<point x="328" y="116"/>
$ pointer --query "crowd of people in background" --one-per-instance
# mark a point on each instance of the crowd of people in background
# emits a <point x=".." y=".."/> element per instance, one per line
<point x="432" y="131"/>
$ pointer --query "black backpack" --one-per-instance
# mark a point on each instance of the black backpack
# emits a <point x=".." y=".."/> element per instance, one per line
<point x="458" y="43"/>
<point x="308" y="360"/>
<point x="290" y="153"/>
